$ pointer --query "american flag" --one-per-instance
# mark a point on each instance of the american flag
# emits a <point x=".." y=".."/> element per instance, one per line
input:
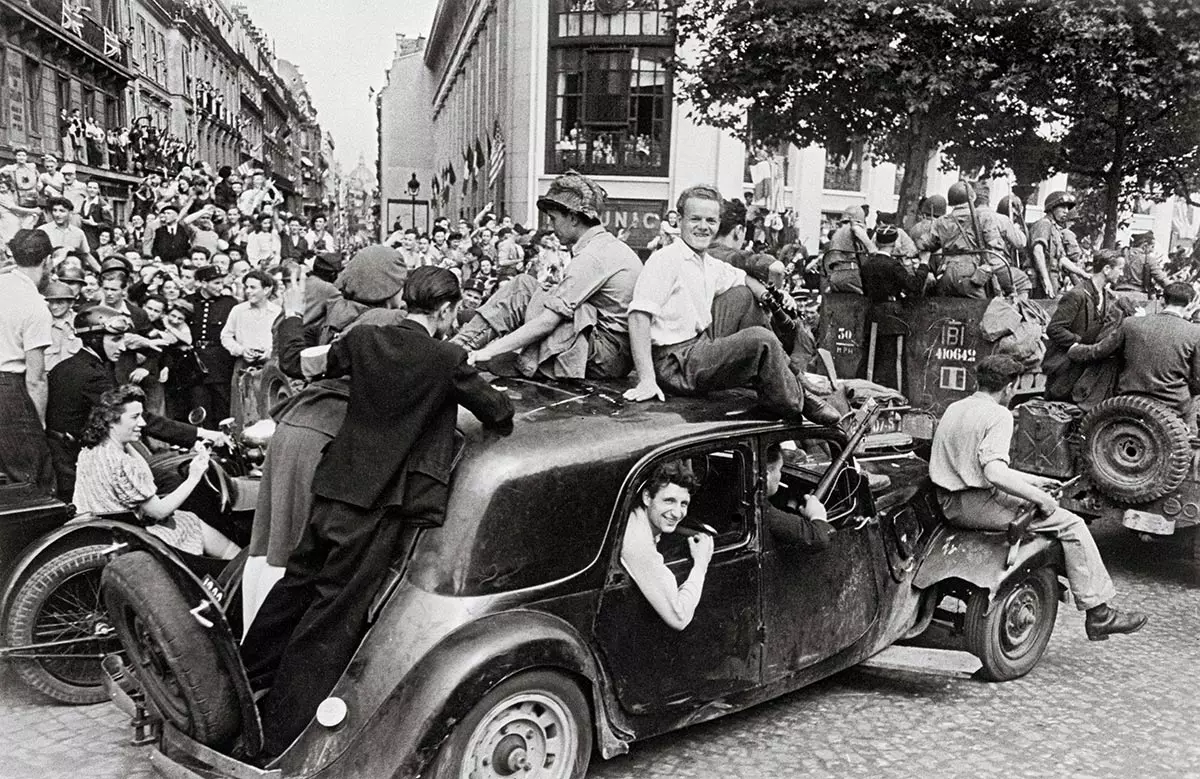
<point x="72" y="16"/>
<point x="496" y="164"/>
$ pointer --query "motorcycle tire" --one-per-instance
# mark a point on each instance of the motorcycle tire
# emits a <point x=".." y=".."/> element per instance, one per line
<point x="60" y="600"/>
<point x="274" y="387"/>
<point x="1136" y="449"/>
<point x="1010" y="633"/>
<point x="170" y="653"/>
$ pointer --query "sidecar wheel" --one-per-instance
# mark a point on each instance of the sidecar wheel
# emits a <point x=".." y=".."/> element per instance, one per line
<point x="60" y="601"/>
<point x="1011" y="637"/>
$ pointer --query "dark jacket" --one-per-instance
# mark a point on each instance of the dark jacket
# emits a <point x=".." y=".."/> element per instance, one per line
<point x="75" y="387"/>
<point x="292" y="249"/>
<point x="405" y="389"/>
<point x="208" y="319"/>
<point x="885" y="277"/>
<point x="795" y="530"/>
<point x="1162" y="358"/>
<point x="171" y="248"/>
<point x="1076" y="320"/>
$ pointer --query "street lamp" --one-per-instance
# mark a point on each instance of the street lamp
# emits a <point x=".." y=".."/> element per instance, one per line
<point x="414" y="187"/>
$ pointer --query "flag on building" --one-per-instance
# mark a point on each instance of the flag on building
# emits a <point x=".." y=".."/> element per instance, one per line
<point x="450" y="175"/>
<point x="112" y="44"/>
<point x="468" y="165"/>
<point x="496" y="164"/>
<point x="72" y="16"/>
<point x="480" y="158"/>
<point x="436" y="186"/>
<point x="246" y="168"/>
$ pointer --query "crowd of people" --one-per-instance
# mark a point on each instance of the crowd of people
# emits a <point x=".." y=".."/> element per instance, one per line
<point x="113" y="330"/>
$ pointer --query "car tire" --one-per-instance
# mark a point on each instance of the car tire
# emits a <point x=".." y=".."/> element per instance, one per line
<point x="540" y="717"/>
<point x="1011" y="636"/>
<point x="175" y="661"/>
<point x="274" y="387"/>
<point x="1136" y="449"/>
<point x="60" y="600"/>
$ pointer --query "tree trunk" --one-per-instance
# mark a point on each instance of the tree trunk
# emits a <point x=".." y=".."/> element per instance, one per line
<point x="1112" y="203"/>
<point x="921" y="147"/>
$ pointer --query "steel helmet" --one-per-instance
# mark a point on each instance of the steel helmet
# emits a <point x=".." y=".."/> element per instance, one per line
<point x="1060" y="198"/>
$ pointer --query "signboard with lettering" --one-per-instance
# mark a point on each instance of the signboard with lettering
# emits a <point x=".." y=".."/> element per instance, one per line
<point x="14" y="76"/>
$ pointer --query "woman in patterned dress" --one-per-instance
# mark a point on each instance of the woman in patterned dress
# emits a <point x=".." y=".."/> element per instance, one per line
<point x="112" y="477"/>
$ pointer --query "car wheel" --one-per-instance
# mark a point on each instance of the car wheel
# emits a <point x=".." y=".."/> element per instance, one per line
<point x="169" y="652"/>
<point x="60" y="601"/>
<point x="1136" y="449"/>
<point x="534" y="725"/>
<point x="1011" y="637"/>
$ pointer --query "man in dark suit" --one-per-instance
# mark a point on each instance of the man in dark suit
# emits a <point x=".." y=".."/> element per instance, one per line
<point x="76" y="384"/>
<point x="210" y="310"/>
<point x="173" y="241"/>
<point x="1161" y="351"/>
<point x="387" y="469"/>
<point x="1080" y="318"/>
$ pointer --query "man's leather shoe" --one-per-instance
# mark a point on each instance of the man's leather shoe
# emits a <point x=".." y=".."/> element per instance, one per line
<point x="820" y="412"/>
<point x="1100" y="626"/>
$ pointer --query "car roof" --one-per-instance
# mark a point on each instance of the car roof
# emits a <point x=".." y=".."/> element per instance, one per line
<point x="579" y="420"/>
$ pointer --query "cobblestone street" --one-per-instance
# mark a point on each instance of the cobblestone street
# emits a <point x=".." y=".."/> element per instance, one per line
<point x="1123" y="708"/>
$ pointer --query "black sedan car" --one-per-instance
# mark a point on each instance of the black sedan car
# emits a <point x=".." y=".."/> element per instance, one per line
<point x="512" y="642"/>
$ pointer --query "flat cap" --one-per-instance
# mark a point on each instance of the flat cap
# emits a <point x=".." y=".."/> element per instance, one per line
<point x="373" y="275"/>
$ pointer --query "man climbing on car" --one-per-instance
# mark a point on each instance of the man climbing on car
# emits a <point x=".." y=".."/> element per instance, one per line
<point x="387" y="468"/>
<point x="978" y="490"/>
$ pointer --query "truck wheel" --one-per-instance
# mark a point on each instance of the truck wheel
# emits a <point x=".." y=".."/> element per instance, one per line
<point x="60" y="601"/>
<point x="535" y="724"/>
<point x="1011" y="637"/>
<point x="1136" y="449"/>
<point x="171" y="655"/>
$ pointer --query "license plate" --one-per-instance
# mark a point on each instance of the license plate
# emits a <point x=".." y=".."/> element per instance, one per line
<point x="1145" y="522"/>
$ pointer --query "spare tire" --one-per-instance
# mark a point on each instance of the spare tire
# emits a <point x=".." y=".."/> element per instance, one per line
<point x="1136" y="449"/>
<point x="174" y="659"/>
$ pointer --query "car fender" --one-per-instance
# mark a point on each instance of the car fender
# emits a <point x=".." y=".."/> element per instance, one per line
<point x="980" y="558"/>
<point x="74" y="534"/>
<point x="403" y="736"/>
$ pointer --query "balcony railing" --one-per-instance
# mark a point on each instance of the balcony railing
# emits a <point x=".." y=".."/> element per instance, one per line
<point x="610" y="152"/>
<point x="843" y="179"/>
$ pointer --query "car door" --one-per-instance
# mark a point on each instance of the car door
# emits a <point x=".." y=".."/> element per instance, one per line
<point x="655" y="669"/>
<point x="817" y="602"/>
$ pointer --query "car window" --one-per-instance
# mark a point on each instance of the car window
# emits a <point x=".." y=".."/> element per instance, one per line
<point x="720" y="502"/>
<point x="805" y="462"/>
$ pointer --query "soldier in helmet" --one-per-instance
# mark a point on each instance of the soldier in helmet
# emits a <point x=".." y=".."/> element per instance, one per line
<point x="1048" y="251"/>
<point x="849" y="248"/>
<point x="1144" y="272"/>
<point x="973" y="262"/>
<point x="579" y="327"/>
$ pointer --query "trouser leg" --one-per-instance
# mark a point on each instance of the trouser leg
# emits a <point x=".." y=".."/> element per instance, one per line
<point x="735" y="310"/>
<point x="1091" y="585"/>
<point x="501" y="314"/>
<point x="360" y="547"/>
<point x="749" y="358"/>
<point x="994" y="510"/>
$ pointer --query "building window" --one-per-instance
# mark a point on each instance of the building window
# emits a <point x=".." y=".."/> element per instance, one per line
<point x="610" y="91"/>
<point x="843" y="171"/>
<point x="611" y="110"/>
<point x="112" y="112"/>
<point x="33" y="94"/>
<point x="604" y="18"/>
<point x="89" y="103"/>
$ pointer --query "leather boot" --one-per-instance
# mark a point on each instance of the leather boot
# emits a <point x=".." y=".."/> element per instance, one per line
<point x="1105" y="621"/>
<point x="818" y="411"/>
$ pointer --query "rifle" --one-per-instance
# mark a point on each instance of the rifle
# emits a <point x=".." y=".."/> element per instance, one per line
<point x="823" y="488"/>
<point x="979" y="244"/>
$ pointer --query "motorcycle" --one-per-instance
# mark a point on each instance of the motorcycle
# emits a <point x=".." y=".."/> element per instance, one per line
<point x="55" y="630"/>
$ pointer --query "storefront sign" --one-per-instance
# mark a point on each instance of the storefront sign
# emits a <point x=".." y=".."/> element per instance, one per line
<point x="638" y="219"/>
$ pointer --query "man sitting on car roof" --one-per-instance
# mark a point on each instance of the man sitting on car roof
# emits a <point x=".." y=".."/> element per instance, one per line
<point x="694" y="325"/>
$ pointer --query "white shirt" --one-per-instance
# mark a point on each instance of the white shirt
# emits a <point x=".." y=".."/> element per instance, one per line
<point x="677" y="287"/>
<point x="25" y="320"/>
<point x="249" y="327"/>
<point x="676" y="604"/>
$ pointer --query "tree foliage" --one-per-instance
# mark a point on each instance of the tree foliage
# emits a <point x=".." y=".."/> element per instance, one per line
<point x="1104" y="89"/>
<point x="901" y="77"/>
